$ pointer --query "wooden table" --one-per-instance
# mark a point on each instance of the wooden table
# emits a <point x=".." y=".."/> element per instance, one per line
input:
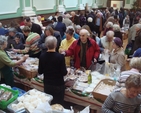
<point x="73" y="98"/>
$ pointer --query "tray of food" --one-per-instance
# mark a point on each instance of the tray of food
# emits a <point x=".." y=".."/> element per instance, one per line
<point x="30" y="101"/>
<point x="103" y="89"/>
<point x="7" y="96"/>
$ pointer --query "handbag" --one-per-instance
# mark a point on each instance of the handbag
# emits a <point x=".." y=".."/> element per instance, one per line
<point x="99" y="66"/>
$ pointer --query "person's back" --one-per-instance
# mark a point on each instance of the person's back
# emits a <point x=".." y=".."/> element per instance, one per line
<point x="31" y="42"/>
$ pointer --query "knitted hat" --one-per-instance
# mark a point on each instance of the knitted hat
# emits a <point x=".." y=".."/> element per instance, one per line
<point x="118" y="41"/>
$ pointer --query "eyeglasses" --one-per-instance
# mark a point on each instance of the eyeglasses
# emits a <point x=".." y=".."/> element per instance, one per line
<point x="82" y="35"/>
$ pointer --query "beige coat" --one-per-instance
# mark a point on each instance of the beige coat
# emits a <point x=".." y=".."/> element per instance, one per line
<point x="118" y="57"/>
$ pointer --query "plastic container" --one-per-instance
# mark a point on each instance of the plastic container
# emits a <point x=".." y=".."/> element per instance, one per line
<point x="27" y="93"/>
<point x="21" y="92"/>
<point x="4" y="104"/>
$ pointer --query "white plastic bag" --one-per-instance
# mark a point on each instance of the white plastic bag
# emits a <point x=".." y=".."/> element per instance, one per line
<point x="86" y="110"/>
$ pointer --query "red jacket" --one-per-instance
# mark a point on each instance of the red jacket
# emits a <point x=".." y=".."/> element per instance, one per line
<point x="92" y="52"/>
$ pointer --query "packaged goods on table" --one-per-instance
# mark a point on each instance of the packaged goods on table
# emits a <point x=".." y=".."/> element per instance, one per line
<point x="7" y="96"/>
<point x="103" y="89"/>
<point x="29" y="68"/>
<point x="30" y="100"/>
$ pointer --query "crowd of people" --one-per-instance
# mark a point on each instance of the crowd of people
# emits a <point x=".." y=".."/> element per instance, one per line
<point x="78" y="38"/>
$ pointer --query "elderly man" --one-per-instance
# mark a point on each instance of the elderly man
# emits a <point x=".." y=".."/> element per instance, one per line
<point x="106" y="42"/>
<point x="85" y="50"/>
<point x="34" y="27"/>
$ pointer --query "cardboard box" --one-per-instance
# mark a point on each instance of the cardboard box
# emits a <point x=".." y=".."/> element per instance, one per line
<point x="102" y="96"/>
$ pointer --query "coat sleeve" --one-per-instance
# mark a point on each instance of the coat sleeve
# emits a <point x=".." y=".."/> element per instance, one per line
<point x="71" y="49"/>
<point x="40" y="67"/>
<point x="63" y="66"/>
<point x="41" y="43"/>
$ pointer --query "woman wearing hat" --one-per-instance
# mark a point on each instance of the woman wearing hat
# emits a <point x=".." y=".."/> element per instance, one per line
<point x="117" y="55"/>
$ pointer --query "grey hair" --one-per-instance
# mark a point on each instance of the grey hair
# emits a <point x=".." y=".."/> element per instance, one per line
<point x="136" y="63"/>
<point x="3" y="39"/>
<point x="51" y="42"/>
<point x="116" y="27"/>
<point x="77" y="27"/>
<point x="110" y="34"/>
<point x="110" y="24"/>
<point x="138" y="26"/>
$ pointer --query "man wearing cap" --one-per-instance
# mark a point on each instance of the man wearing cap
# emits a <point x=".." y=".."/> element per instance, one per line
<point x="12" y="33"/>
<point x="117" y="55"/>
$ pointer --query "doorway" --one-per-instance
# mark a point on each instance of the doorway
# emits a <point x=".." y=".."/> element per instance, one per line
<point x="115" y="3"/>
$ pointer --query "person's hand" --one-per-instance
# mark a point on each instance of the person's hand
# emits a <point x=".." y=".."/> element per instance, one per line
<point x="25" y="57"/>
<point x="15" y="50"/>
<point x="106" y="51"/>
<point x="95" y="60"/>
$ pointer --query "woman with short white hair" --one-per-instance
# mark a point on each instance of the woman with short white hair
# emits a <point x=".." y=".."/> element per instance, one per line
<point x="52" y="65"/>
<point x="6" y="63"/>
<point x="109" y="27"/>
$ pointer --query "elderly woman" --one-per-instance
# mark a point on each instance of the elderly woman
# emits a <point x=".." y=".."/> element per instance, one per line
<point x="135" y="65"/>
<point x="106" y="42"/>
<point x="125" y="100"/>
<point x="66" y="43"/>
<point x="6" y="63"/>
<point x="117" y="55"/>
<point x="117" y="33"/>
<point x="52" y="65"/>
<point x="109" y="27"/>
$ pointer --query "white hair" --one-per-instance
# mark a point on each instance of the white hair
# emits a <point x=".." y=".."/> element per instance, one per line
<point x="109" y="24"/>
<point x="51" y="42"/>
<point x="85" y="31"/>
<point x="116" y="27"/>
<point x="110" y="34"/>
<point x="3" y="39"/>
<point x="90" y="19"/>
<point x="77" y="27"/>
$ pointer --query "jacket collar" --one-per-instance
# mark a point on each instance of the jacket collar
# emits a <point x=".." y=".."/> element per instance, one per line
<point x="88" y="41"/>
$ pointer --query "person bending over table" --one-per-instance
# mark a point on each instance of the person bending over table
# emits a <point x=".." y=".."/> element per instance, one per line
<point x="52" y="65"/>
<point x="30" y="44"/>
<point x="125" y="100"/>
<point x="6" y="63"/>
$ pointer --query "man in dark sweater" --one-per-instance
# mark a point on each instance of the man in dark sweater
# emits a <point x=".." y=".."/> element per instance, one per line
<point x="34" y="27"/>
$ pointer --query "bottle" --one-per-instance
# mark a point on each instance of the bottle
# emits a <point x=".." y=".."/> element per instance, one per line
<point x="89" y="78"/>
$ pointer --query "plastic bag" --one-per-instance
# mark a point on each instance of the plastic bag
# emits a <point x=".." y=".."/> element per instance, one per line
<point x="86" y="110"/>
